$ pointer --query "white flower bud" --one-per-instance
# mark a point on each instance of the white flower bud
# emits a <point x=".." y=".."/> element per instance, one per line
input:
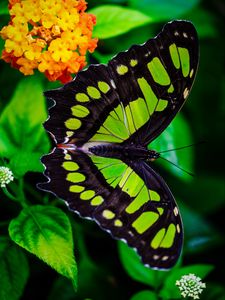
<point x="190" y="285"/>
<point x="6" y="176"/>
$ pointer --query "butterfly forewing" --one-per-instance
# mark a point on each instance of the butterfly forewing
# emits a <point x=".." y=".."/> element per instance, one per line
<point x="137" y="94"/>
<point x="156" y="78"/>
<point x="128" y="102"/>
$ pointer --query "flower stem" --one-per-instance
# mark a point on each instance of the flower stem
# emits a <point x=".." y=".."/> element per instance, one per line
<point x="9" y="195"/>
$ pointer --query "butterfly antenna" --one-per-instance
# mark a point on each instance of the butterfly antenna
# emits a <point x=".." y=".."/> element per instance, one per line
<point x="189" y="173"/>
<point x="195" y="144"/>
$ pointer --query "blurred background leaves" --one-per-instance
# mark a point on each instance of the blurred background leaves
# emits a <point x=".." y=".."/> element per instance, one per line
<point x="106" y="270"/>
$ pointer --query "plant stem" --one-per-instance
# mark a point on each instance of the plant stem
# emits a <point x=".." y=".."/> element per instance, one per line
<point x="9" y="195"/>
<point x="21" y="193"/>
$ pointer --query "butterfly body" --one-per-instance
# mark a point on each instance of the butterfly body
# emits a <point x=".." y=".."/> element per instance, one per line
<point x="123" y="152"/>
<point x="103" y="123"/>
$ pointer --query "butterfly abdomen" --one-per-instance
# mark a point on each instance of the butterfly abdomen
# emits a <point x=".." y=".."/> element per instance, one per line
<point x="131" y="152"/>
<point x="107" y="150"/>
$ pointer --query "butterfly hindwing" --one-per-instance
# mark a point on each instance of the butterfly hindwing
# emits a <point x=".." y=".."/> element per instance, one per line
<point x="142" y="211"/>
<point x="131" y="201"/>
<point x="74" y="178"/>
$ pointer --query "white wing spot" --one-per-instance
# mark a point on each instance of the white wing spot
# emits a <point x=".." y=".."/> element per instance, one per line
<point x="66" y="140"/>
<point x="113" y="83"/>
<point x="176" y="33"/>
<point x="175" y="210"/>
<point x="178" y="228"/>
<point x="155" y="257"/>
<point x="165" y="258"/>
<point x="185" y="34"/>
<point x="185" y="93"/>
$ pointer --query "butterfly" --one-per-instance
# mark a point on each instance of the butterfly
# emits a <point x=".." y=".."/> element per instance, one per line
<point x="103" y="122"/>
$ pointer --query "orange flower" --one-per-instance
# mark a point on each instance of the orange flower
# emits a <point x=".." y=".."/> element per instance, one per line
<point x="52" y="36"/>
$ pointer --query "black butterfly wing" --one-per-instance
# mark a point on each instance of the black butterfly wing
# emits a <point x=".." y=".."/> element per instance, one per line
<point x="148" y="216"/>
<point x="163" y="74"/>
<point x="129" y="200"/>
<point x="134" y="98"/>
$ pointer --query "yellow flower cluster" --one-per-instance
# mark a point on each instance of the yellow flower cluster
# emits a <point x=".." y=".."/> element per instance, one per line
<point x="52" y="36"/>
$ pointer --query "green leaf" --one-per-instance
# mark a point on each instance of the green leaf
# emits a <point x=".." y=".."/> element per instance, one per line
<point x="24" y="161"/>
<point x="199" y="234"/>
<point x="201" y="192"/>
<point x="61" y="289"/>
<point x="163" y="10"/>
<point x="4" y="7"/>
<point x="2" y="44"/>
<point x="96" y="2"/>
<point x="113" y="20"/>
<point x="214" y="291"/>
<point x="136" y="36"/>
<point x="170" y="291"/>
<point x="135" y="268"/>
<point x="14" y="270"/>
<point x="176" y="135"/>
<point x="102" y="58"/>
<point x="21" y="129"/>
<point x="204" y="22"/>
<point x="46" y="232"/>
<point x="145" y="295"/>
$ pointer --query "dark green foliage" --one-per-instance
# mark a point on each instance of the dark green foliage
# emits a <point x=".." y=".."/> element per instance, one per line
<point x="106" y="271"/>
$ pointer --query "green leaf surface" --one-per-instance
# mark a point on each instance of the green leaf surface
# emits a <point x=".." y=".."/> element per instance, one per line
<point x="4" y="7"/>
<point x="214" y="291"/>
<point x="14" y="270"/>
<point x="103" y="59"/>
<point x="113" y="20"/>
<point x="2" y="44"/>
<point x="62" y="289"/>
<point x="163" y="10"/>
<point x="21" y="129"/>
<point x="24" y="161"/>
<point x="136" y="36"/>
<point x="205" y="193"/>
<point x="204" y="21"/>
<point x="199" y="234"/>
<point x="46" y="232"/>
<point x="135" y="268"/>
<point x="145" y="295"/>
<point x="170" y="291"/>
<point x="97" y="2"/>
<point x="176" y="135"/>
